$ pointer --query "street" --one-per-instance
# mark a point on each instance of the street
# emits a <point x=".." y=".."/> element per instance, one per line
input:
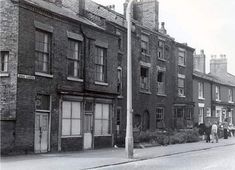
<point x="221" y="158"/>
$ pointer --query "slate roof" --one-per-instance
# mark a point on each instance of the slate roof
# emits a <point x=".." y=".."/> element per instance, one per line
<point x="63" y="11"/>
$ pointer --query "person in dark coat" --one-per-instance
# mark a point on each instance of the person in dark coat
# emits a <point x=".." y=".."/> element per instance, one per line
<point x="226" y="129"/>
<point x="208" y="132"/>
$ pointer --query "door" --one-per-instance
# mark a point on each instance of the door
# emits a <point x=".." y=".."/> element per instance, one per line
<point x="88" y="127"/>
<point x="41" y="133"/>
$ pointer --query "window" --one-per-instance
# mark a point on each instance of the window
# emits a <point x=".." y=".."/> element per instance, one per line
<point x="119" y="81"/>
<point x="230" y="95"/>
<point x="188" y="113"/>
<point x="42" y="51"/>
<point x="179" y="112"/>
<point x="200" y="90"/>
<point x="161" y="51"/>
<point x="201" y="115"/>
<point x="100" y="64"/>
<point x="144" y="44"/>
<point x="74" y="59"/>
<point x="120" y="44"/>
<point x="159" y="114"/>
<point x="144" y="78"/>
<point x="181" y="57"/>
<point x="181" y="86"/>
<point x="4" y="61"/>
<point x="102" y="119"/>
<point x="71" y="118"/>
<point x="160" y="82"/>
<point x="217" y="93"/>
<point x="181" y="70"/>
<point x="42" y="102"/>
<point x="118" y="119"/>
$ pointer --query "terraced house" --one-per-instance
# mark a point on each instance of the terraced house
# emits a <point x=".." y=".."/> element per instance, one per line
<point x="213" y="92"/>
<point x="63" y="75"/>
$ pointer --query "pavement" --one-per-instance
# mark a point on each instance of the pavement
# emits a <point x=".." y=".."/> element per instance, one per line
<point x="93" y="159"/>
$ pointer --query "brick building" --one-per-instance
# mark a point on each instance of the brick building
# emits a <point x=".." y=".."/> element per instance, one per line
<point x="213" y="92"/>
<point x="64" y="86"/>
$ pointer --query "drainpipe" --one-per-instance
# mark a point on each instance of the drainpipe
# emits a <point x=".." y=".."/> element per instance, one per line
<point x="129" y="126"/>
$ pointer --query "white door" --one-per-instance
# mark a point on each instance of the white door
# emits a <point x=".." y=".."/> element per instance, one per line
<point x="87" y="138"/>
<point x="41" y="133"/>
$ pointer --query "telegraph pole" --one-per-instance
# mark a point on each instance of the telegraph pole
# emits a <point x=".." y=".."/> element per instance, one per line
<point x="129" y="124"/>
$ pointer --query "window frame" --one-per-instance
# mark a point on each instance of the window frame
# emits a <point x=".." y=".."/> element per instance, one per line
<point x="181" y="90"/>
<point x="119" y="80"/>
<point x="102" y="119"/>
<point x="230" y="95"/>
<point x="47" y="61"/>
<point x="181" y="58"/>
<point x="71" y="120"/>
<point x="200" y="90"/>
<point x="76" y="61"/>
<point x="161" y="50"/>
<point x="163" y="82"/>
<point x="144" y="40"/>
<point x="101" y="64"/>
<point x="143" y="89"/>
<point x="4" y="62"/>
<point x="217" y="93"/>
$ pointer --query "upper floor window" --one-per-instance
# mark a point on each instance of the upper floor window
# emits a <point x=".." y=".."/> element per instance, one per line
<point x="217" y="93"/>
<point x="200" y="90"/>
<point x="144" y="44"/>
<point x="181" y="86"/>
<point x="75" y="59"/>
<point x="160" y="82"/>
<point x="161" y="51"/>
<point x="4" y="61"/>
<point x="42" y="52"/>
<point x="120" y="42"/>
<point x="181" y="57"/>
<point x="119" y="81"/>
<point x="101" y="64"/>
<point x="230" y="95"/>
<point x="144" y="78"/>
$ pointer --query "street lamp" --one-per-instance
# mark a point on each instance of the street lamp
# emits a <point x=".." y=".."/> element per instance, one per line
<point x="129" y="126"/>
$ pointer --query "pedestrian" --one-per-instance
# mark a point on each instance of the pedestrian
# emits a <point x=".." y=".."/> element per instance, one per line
<point x="214" y="130"/>
<point x="225" y="128"/>
<point x="208" y="132"/>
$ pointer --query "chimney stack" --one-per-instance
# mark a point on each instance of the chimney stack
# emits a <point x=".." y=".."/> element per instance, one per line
<point x="199" y="62"/>
<point x="218" y="66"/>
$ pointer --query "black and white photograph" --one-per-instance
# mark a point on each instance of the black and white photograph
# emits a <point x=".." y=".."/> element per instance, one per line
<point x="117" y="84"/>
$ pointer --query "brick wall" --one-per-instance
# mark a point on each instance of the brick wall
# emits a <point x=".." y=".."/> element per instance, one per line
<point x="9" y="42"/>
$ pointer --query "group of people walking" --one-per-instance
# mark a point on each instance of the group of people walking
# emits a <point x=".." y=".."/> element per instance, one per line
<point x="212" y="130"/>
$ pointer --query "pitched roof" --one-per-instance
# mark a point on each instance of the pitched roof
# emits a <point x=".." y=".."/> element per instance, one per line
<point x="63" y="11"/>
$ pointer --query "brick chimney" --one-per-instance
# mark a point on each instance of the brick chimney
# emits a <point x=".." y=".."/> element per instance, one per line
<point x="77" y="6"/>
<point x="146" y="12"/>
<point x="218" y="66"/>
<point x="199" y="62"/>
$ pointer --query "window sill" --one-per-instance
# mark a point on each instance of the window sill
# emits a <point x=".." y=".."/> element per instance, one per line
<point x="4" y="74"/>
<point x="120" y="97"/>
<point x="145" y="54"/>
<point x="217" y="100"/>
<point x="74" y="79"/>
<point x="77" y="136"/>
<point x="43" y="75"/>
<point x="162" y="59"/>
<point x="182" y="65"/>
<point x="109" y="135"/>
<point x="101" y="83"/>
<point x="163" y="95"/>
<point x="201" y="98"/>
<point x="181" y="96"/>
<point x="231" y="102"/>
<point x="145" y="92"/>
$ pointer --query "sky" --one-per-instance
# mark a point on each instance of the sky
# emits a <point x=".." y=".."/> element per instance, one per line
<point x="202" y="24"/>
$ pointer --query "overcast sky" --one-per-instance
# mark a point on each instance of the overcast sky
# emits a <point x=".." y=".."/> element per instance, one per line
<point x="203" y="24"/>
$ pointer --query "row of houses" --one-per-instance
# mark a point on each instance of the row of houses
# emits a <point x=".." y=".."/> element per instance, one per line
<point x="63" y="76"/>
